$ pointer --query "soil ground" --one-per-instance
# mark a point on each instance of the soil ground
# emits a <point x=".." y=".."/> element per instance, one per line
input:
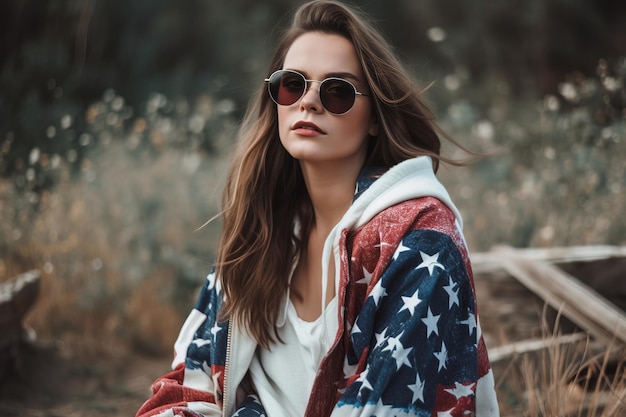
<point x="46" y="384"/>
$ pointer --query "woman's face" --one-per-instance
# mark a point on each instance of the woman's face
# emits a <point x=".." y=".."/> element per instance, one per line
<point x="308" y="131"/>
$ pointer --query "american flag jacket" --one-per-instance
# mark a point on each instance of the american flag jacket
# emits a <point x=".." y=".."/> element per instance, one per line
<point x="408" y="342"/>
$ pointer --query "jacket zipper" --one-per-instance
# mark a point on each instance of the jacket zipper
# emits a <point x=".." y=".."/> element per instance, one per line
<point x="228" y="348"/>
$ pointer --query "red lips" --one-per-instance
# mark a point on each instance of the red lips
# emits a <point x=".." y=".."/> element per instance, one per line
<point x="307" y="126"/>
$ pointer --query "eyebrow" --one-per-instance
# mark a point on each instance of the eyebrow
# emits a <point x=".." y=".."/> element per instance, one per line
<point x="338" y="74"/>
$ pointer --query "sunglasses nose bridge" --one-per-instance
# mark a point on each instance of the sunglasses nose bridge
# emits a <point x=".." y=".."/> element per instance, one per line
<point x="308" y="84"/>
<point x="308" y="87"/>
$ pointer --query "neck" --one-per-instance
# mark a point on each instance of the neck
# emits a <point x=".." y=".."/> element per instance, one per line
<point x="331" y="189"/>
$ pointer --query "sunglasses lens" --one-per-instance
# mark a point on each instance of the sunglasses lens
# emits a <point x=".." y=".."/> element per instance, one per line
<point x="286" y="87"/>
<point x="337" y="95"/>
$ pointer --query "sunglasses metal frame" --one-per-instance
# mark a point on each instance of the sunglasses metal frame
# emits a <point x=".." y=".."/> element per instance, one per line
<point x="319" y="90"/>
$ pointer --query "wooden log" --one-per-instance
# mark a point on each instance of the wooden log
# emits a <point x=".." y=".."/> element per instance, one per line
<point x="499" y="353"/>
<point x="487" y="262"/>
<point x="17" y="296"/>
<point x="563" y="292"/>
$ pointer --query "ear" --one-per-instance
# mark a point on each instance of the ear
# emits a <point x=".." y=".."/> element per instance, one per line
<point x="373" y="130"/>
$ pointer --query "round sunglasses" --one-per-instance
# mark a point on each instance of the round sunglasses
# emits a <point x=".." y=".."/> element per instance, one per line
<point x="336" y="94"/>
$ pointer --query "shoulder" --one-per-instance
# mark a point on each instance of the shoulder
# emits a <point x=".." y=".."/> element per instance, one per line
<point x="418" y="213"/>
<point x="423" y="224"/>
<point x="210" y="298"/>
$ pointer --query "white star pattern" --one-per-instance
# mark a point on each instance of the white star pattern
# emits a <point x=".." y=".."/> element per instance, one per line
<point x="367" y="276"/>
<point x="461" y="390"/>
<point x="430" y="261"/>
<point x="411" y="302"/>
<point x="417" y="388"/>
<point x="401" y="355"/>
<point x="211" y="279"/>
<point x="378" y="292"/>
<point x="215" y="330"/>
<point x="452" y="294"/>
<point x="378" y="333"/>
<point x="393" y="343"/>
<point x="201" y="342"/>
<point x="380" y="338"/>
<point x="431" y="323"/>
<point x="364" y="382"/>
<point x="470" y="322"/>
<point x="401" y="248"/>
<point x="442" y="356"/>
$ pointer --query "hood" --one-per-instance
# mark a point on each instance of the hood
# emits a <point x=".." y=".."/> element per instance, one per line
<point x="413" y="178"/>
<point x="410" y="179"/>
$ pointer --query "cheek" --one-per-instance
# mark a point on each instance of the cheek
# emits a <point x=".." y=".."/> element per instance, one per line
<point x="283" y="123"/>
<point x="358" y="124"/>
<point x="352" y="135"/>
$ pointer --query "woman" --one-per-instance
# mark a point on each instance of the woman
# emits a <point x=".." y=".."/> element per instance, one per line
<point x="342" y="284"/>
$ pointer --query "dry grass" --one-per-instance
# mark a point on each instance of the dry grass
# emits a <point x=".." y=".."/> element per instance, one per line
<point x="120" y="261"/>
<point x="118" y="254"/>
<point x="556" y="175"/>
<point x="116" y="242"/>
<point x="565" y="380"/>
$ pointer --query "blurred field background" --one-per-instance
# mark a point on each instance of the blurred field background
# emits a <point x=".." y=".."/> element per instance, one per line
<point x="117" y="119"/>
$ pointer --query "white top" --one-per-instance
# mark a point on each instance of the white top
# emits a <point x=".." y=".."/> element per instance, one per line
<point x="410" y="179"/>
<point x="283" y="376"/>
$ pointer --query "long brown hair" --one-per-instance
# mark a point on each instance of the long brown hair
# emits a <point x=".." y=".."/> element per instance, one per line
<point x="265" y="191"/>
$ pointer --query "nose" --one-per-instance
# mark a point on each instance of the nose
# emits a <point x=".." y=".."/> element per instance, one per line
<point x="310" y="101"/>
